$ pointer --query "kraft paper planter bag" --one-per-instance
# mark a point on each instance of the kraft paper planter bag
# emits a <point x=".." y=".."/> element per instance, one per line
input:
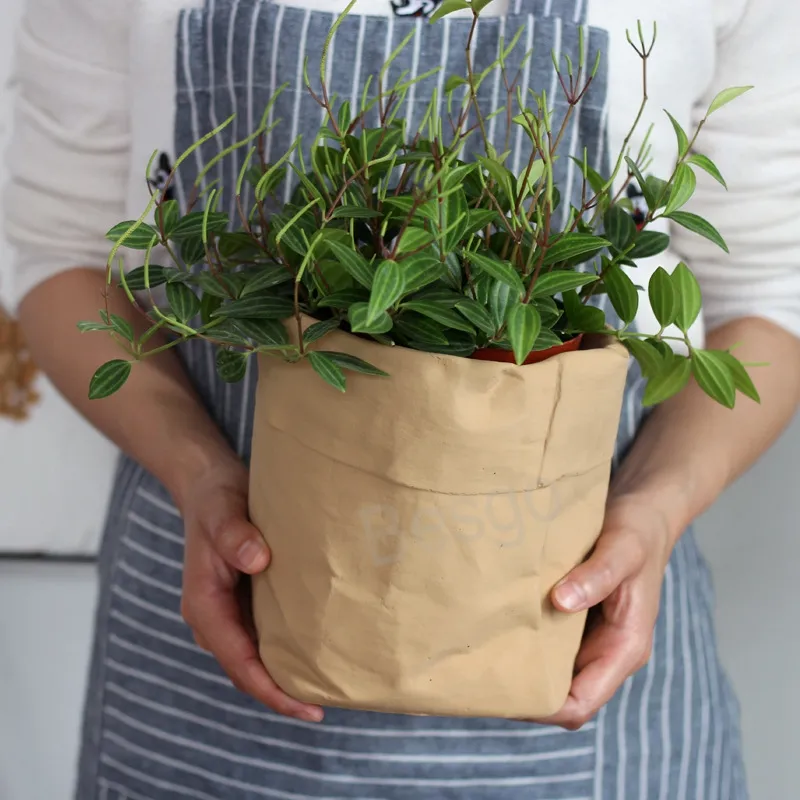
<point x="418" y="523"/>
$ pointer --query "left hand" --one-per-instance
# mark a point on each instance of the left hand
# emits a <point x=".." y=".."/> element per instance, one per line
<point x="623" y="578"/>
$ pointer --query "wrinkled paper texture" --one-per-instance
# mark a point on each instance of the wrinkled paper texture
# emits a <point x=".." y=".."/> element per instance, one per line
<point x="418" y="523"/>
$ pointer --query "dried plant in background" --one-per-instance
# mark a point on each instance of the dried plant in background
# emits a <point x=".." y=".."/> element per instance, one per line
<point x="17" y="371"/>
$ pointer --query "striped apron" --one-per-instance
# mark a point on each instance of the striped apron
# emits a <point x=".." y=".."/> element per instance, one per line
<point x="162" y="721"/>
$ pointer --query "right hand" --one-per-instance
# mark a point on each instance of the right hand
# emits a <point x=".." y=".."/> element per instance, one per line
<point x="221" y="545"/>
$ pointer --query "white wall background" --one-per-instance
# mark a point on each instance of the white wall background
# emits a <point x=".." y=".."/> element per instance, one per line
<point x="57" y="469"/>
<point x="54" y="476"/>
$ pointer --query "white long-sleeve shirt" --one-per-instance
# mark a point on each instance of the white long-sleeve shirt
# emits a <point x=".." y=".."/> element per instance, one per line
<point x="95" y="96"/>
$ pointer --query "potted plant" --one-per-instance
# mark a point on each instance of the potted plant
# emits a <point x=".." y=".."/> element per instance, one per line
<point x="419" y="519"/>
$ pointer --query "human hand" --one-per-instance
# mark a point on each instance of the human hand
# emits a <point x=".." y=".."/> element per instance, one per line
<point x="221" y="544"/>
<point x="622" y="578"/>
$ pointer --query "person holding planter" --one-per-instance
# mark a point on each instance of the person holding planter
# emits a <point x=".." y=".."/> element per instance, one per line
<point x="438" y="273"/>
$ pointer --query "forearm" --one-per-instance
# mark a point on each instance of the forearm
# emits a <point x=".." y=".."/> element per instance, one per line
<point x="691" y="448"/>
<point x="157" y="418"/>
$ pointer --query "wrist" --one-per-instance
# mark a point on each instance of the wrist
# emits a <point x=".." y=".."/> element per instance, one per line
<point x="666" y="496"/>
<point x="193" y="460"/>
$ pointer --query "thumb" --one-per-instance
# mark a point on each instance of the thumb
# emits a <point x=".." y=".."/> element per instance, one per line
<point x="617" y="555"/>
<point x="232" y="534"/>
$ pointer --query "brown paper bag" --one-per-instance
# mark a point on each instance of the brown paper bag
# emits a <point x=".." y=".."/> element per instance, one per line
<point x="418" y="523"/>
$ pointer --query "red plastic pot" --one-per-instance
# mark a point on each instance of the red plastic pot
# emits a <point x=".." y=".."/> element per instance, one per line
<point x="536" y="356"/>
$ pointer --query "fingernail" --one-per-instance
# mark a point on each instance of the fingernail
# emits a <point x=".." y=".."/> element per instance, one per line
<point x="312" y="714"/>
<point x="250" y="555"/>
<point x="570" y="595"/>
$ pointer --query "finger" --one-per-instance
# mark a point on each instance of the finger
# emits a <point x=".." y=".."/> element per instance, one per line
<point x="618" y="555"/>
<point x="216" y="618"/>
<point x="608" y="657"/>
<point x="233" y="536"/>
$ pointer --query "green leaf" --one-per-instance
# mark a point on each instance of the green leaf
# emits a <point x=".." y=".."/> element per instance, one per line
<point x="413" y="239"/>
<point x="420" y="270"/>
<point x="345" y="117"/>
<point x="109" y="378"/>
<point x="548" y="311"/>
<point x="499" y="174"/>
<point x="220" y="285"/>
<point x="479" y="5"/>
<point x="263" y="332"/>
<point x="185" y="304"/>
<point x="663" y="297"/>
<point x="191" y="225"/>
<point x="193" y="251"/>
<point x="683" y="139"/>
<point x="209" y="303"/>
<point x="358" y="316"/>
<point x="524" y="324"/>
<point x="288" y="228"/>
<point x="714" y="377"/>
<point x="257" y="307"/>
<point x="669" y="381"/>
<point x="699" y="225"/>
<point x="649" y="358"/>
<point x="706" y="164"/>
<point x="237" y="245"/>
<point x="741" y="380"/>
<point x="441" y="313"/>
<point x="555" y="282"/>
<point x="640" y="179"/>
<point x="140" y="237"/>
<point x="358" y="266"/>
<point x="454" y="218"/>
<point x="157" y="275"/>
<point x="417" y="328"/>
<point x="457" y="176"/>
<point x="575" y="247"/>
<point x="619" y="227"/>
<point x="689" y="297"/>
<point x="536" y="172"/>
<point x="682" y="188"/>
<point x="327" y="369"/>
<point x="453" y="82"/>
<point x="354" y="364"/>
<point x="595" y="179"/>
<point x="231" y="365"/>
<point x="659" y="190"/>
<point x="265" y="278"/>
<point x="344" y="298"/>
<point x="318" y="330"/>
<point x="387" y="289"/>
<point x="122" y="327"/>
<point x="478" y="219"/>
<point x="355" y="212"/>
<point x="725" y="97"/>
<point x="477" y="315"/>
<point x="649" y="243"/>
<point x="501" y="298"/>
<point x="86" y="327"/>
<point x="547" y="339"/>
<point x="453" y="272"/>
<point x="622" y="293"/>
<point x="499" y="270"/>
<point x="171" y="213"/>
<point x="448" y="7"/>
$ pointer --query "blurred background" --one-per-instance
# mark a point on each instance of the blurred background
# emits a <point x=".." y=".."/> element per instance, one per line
<point x="55" y="474"/>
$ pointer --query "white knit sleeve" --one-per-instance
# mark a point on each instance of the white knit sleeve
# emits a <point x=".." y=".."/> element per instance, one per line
<point x="68" y="155"/>
<point x="755" y="141"/>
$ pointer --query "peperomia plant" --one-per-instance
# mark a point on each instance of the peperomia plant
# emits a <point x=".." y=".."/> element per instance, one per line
<point x="393" y="234"/>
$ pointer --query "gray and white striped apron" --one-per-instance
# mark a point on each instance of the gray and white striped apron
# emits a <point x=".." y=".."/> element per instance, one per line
<point x="162" y="720"/>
